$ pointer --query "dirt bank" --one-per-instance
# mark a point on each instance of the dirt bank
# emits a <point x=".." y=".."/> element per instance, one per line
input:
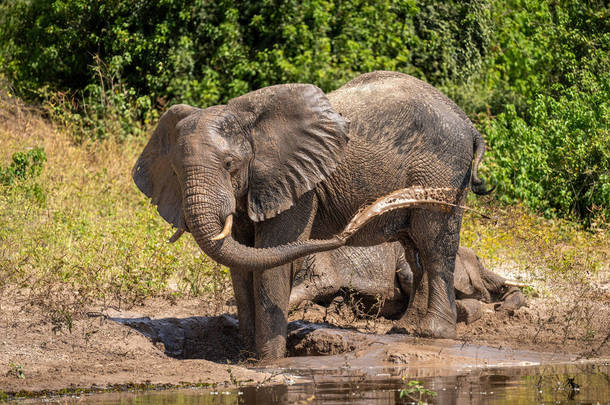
<point x="174" y="342"/>
<point x="98" y="351"/>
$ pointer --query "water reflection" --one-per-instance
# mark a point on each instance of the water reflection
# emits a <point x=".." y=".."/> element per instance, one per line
<point x="553" y="384"/>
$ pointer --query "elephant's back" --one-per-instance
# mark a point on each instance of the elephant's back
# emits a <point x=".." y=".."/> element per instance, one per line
<point x="381" y="104"/>
<point x="403" y="133"/>
<point x="409" y="126"/>
<point x="386" y="85"/>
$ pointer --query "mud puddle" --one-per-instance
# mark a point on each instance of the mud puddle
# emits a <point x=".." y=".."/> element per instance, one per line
<point x="165" y="345"/>
<point x="372" y="355"/>
<point x="362" y="368"/>
<point x="585" y="383"/>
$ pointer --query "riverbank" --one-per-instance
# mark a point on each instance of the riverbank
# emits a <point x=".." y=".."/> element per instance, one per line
<point x="173" y="343"/>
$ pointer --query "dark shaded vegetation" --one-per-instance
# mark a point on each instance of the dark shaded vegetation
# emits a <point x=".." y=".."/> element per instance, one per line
<point x="533" y="74"/>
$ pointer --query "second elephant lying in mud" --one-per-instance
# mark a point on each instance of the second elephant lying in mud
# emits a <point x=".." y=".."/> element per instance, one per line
<point x="382" y="279"/>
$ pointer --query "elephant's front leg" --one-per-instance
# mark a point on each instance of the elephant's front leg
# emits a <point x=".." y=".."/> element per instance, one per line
<point x="272" y="287"/>
<point x="272" y="294"/>
<point x="244" y="298"/>
<point x="243" y="286"/>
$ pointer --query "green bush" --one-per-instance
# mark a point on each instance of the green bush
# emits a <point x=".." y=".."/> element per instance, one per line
<point x="204" y="52"/>
<point x="24" y="165"/>
<point x="100" y="110"/>
<point x="559" y="162"/>
<point x="550" y="144"/>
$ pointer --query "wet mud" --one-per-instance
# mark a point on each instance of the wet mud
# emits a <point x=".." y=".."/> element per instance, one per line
<point x="168" y="343"/>
<point x="314" y="346"/>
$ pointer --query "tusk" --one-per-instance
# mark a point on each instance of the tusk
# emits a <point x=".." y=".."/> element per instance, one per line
<point x="227" y="229"/>
<point x="512" y="283"/>
<point x="176" y="235"/>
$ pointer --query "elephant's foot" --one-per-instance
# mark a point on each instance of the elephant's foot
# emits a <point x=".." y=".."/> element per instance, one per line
<point x="435" y="326"/>
<point x="411" y="317"/>
<point x="247" y="339"/>
<point x="247" y="357"/>
<point x="511" y="301"/>
<point x="407" y="324"/>
<point x="272" y="349"/>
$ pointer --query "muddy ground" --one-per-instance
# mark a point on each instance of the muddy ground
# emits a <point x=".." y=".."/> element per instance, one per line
<point x="191" y="341"/>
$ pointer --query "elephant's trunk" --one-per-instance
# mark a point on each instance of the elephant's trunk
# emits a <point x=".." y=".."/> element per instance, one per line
<point x="205" y="220"/>
<point x="208" y="209"/>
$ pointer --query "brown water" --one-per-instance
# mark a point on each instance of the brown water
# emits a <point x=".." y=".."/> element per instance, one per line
<point x="586" y="383"/>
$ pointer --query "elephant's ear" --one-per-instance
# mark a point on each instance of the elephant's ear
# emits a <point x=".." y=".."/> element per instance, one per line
<point x="153" y="172"/>
<point x="298" y="140"/>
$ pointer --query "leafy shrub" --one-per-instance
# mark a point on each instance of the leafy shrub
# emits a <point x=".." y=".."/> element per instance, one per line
<point x="559" y="161"/>
<point x="24" y="165"/>
<point x="550" y="147"/>
<point x="204" y="53"/>
<point x="101" y="110"/>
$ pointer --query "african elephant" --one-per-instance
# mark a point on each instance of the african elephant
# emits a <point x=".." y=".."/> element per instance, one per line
<point x="290" y="165"/>
<point x="382" y="279"/>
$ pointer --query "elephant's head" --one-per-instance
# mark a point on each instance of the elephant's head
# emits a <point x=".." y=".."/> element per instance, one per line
<point x="264" y="150"/>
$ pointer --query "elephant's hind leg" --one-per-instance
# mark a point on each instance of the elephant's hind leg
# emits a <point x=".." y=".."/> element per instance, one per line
<point x="417" y="291"/>
<point x="436" y="237"/>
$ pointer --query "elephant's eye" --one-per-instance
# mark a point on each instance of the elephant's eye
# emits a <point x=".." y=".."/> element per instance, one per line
<point x="228" y="163"/>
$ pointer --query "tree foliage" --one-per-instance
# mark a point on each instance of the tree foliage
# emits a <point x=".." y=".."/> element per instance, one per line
<point x="205" y="52"/>
<point x="533" y="74"/>
<point x="550" y="142"/>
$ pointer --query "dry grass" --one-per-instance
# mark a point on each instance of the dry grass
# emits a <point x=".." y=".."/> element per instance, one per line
<point x="91" y="237"/>
<point x="534" y="249"/>
<point x="566" y="267"/>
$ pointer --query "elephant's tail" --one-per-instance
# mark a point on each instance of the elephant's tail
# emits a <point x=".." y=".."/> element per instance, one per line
<point x="476" y="184"/>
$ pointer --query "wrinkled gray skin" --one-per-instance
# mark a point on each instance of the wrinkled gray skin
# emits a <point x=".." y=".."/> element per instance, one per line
<point x="294" y="165"/>
<point x="376" y="273"/>
<point x="383" y="280"/>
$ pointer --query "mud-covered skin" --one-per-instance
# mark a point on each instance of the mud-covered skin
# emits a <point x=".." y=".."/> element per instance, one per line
<point x="380" y="274"/>
<point x="294" y="166"/>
